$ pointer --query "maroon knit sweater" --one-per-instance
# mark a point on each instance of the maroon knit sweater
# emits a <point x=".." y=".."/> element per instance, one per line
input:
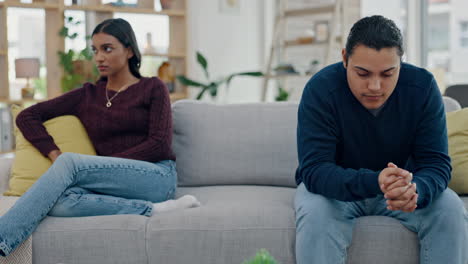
<point x="137" y="126"/>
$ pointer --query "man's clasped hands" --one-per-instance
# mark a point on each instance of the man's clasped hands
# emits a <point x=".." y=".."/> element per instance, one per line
<point x="398" y="188"/>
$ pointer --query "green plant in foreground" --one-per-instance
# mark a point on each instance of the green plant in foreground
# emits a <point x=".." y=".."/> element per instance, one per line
<point x="212" y="86"/>
<point x="262" y="257"/>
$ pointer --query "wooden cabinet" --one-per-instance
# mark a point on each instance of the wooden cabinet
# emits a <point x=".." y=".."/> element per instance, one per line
<point x="96" y="11"/>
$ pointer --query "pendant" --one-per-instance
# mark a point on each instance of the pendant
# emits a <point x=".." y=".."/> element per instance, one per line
<point x="109" y="104"/>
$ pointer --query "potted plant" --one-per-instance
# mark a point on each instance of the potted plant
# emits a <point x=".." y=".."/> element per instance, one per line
<point x="262" y="257"/>
<point x="283" y="95"/>
<point x="77" y="65"/>
<point x="212" y="87"/>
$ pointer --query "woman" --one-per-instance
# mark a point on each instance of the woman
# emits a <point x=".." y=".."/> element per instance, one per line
<point x="128" y="119"/>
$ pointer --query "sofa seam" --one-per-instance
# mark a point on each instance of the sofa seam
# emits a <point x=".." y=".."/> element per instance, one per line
<point x="147" y="223"/>
<point x="94" y="229"/>
<point x="147" y="227"/>
<point x="238" y="229"/>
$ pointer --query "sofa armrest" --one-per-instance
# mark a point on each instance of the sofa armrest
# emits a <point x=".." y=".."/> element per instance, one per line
<point x="6" y="160"/>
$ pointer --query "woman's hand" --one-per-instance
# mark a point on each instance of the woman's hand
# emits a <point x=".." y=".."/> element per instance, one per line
<point x="53" y="155"/>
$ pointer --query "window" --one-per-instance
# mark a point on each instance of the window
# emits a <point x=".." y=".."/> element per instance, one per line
<point x="446" y="52"/>
<point x="152" y="35"/>
<point x="394" y="10"/>
<point x="151" y="32"/>
<point x="26" y="24"/>
<point x="464" y="34"/>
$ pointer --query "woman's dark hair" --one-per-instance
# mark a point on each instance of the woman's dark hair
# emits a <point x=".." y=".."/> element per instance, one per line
<point x="121" y="30"/>
<point x="375" y="32"/>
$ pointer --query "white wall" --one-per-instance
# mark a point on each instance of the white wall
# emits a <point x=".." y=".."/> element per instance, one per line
<point x="231" y="43"/>
<point x="388" y="9"/>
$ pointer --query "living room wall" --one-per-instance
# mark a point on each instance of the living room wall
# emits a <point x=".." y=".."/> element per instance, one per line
<point x="232" y="41"/>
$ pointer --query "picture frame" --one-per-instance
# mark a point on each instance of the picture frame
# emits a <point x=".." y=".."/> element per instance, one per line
<point x="322" y="31"/>
<point x="229" y="7"/>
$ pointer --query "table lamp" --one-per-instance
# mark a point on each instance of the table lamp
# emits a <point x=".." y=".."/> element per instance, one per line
<point x="27" y="68"/>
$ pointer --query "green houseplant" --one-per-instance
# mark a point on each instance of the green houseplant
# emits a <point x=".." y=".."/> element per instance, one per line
<point x="262" y="257"/>
<point x="77" y="65"/>
<point x="212" y="87"/>
<point x="283" y="95"/>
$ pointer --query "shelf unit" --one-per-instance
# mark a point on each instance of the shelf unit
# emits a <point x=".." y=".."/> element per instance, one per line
<point x="170" y="55"/>
<point x="20" y="102"/>
<point x="29" y="5"/>
<point x="310" y="11"/>
<point x="54" y="21"/>
<point x="4" y="85"/>
<point x="295" y="42"/>
<point x="336" y="15"/>
<point x="280" y="43"/>
<point x="135" y="10"/>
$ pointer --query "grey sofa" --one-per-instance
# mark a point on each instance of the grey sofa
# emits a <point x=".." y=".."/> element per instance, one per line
<point x="239" y="160"/>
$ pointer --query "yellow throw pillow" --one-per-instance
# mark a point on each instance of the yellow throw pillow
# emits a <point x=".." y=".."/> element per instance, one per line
<point x="29" y="164"/>
<point x="457" y="129"/>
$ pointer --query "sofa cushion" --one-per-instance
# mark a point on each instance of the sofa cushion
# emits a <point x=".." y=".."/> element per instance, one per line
<point x="233" y="222"/>
<point x="231" y="225"/>
<point x="465" y="201"/>
<point x="6" y="160"/>
<point x="381" y="239"/>
<point x="235" y="143"/>
<point x="69" y="135"/>
<point x="457" y="130"/>
<point x="90" y="240"/>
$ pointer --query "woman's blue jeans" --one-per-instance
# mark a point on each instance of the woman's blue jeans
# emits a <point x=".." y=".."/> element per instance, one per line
<point x="81" y="185"/>
<point x="324" y="227"/>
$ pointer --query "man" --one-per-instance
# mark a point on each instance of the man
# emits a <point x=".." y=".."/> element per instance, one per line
<point x="372" y="140"/>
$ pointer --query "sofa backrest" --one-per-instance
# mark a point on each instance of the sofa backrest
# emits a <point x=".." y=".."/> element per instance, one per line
<point x="251" y="143"/>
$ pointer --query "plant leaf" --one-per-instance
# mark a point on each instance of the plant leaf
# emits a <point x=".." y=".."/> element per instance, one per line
<point x="63" y="32"/>
<point x="71" y="81"/>
<point x="186" y="81"/>
<point x="86" y="54"/>
<point x="200" y="95"/>
<point x="283" y="95"/>
<point x="213" y="89"/>
<point x="252" y="74"/>
<point x="204" y="63"/>
<point x="262" y="257"/>
<point x="66" y="60"/>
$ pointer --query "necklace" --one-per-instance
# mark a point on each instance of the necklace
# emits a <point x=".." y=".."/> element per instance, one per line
<point x="109" y="104"/>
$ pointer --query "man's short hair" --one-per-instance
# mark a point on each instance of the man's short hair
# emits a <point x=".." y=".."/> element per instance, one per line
<point x="375" y="32"/>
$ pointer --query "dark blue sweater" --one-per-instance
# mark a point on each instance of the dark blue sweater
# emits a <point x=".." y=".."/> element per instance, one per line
<point x="342" y="147"/>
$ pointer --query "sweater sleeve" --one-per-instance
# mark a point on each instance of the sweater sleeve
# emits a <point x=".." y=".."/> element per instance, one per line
<point x="30" y="120"/>
<point x="317" y="139"/>
<point x="432" y="167"/>
<point x="159" y="140"/>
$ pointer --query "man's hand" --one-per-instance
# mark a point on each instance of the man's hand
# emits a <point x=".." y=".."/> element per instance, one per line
<point x="393" y="177"/>
<point x="53" y="155"/>
<point x="396" y="185"/>
<point x="404" y="199"/>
